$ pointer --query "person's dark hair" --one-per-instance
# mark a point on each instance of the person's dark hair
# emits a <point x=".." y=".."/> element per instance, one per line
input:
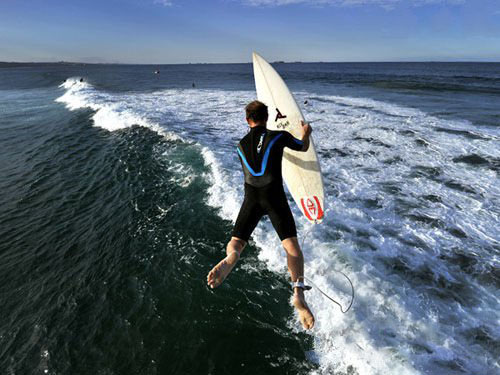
<point x="256" y="111"/>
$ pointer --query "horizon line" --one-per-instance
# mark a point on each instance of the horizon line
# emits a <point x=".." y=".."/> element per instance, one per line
<point x="250" y="62"/>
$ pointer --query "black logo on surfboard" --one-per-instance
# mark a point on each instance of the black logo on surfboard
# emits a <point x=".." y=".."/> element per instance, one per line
<point x="279" y="115"/>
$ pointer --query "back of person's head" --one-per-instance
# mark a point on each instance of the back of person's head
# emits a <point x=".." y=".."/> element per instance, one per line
<point x="256" y="111"/>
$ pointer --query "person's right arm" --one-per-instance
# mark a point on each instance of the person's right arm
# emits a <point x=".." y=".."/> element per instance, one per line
<point x="301" y="143"/>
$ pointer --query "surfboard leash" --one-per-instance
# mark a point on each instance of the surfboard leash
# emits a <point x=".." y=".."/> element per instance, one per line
<point x="330" y="298"/>
<point x="325" y="294"/>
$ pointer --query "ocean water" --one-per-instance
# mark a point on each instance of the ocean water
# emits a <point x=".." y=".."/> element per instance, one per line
<point x="118" y="195"/>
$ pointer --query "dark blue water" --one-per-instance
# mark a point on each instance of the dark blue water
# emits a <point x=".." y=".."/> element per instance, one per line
<point x="119" y="192"/>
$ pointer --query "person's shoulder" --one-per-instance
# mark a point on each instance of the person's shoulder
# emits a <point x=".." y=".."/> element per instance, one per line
<point x="278" y="132"/>
<point x="283" y="134"/>
<point x="244" y="140"/>
<point x="246" y="136"/>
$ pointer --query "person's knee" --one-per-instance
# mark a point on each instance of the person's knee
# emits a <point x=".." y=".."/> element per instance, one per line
<point x="290" y="241"/>
<point x="292" y="247"/>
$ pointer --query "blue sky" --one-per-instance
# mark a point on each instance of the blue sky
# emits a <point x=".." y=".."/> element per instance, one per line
<point x="181" y="31"/>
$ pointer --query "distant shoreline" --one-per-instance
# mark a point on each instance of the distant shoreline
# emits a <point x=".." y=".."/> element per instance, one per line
<point x="10" y="64"/>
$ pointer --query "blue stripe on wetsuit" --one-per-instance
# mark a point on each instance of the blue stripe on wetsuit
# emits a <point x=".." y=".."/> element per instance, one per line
<point x="298" y="141"/>
<point x="264" y="160"/>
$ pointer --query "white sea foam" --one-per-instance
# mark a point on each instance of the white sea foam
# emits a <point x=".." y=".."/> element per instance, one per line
<point x="374" y="156"/>
<point x="112" y="112"/>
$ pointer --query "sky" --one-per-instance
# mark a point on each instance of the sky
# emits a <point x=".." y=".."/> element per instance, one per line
<point x="227" y="31"/>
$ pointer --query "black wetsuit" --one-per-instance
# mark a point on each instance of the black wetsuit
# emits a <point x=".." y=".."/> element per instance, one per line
<point x="260" y="152"/>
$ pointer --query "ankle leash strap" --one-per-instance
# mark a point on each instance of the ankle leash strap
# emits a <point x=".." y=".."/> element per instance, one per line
<point x="301" y="285"/>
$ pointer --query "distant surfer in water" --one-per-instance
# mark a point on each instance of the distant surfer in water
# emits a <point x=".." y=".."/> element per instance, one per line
<point x="260" y="152"/>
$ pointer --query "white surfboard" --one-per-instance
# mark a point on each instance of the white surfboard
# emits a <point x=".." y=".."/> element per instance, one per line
<point x="301" y="170"/>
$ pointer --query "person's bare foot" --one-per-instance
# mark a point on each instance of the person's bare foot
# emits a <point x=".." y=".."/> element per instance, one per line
<point x="305" y="315"/>
<point x="218" y="274"/>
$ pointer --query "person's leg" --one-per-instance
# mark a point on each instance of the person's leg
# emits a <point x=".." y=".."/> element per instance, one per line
<point x="295" y="261"/>
<point x="233" y="250"/>
<point x="282" y="219"/>
<point x="248" y="218"/>
<point x="294" y="258"/>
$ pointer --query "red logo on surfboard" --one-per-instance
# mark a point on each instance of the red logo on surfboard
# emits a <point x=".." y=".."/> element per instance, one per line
<point x="312" y="208"/>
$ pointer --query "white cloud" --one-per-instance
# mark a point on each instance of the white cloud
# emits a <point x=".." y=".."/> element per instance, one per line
<point x="383" y="3"/>
<point x="166" y="3"/>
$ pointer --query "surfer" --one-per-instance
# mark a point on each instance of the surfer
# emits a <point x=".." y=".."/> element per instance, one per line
<point x="260" y="152"/>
